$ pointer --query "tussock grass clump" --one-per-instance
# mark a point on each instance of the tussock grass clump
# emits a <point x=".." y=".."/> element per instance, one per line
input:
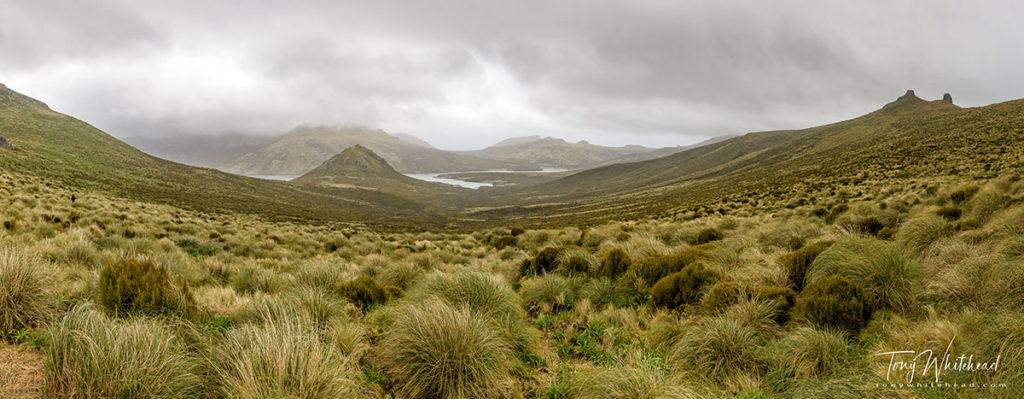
<point x="92" y="357"/>
<point x="280" y="359"/>
<point x="548" y="293"/>
<point x="717" y="348"/>
<point x="614" y="263"/>
<point x="986" y="203"/>
<point x="683" y="287"/>
<point x="812" y="352"/>
<point x="919" y="233"/>
<point x="481" y="292"/>
<point x="436" y="350"/>
<point x="135" y="285"/>
<point x="890" y="279"/>
<point x="252" y="279"/>
<point x="625" y="383"/>
<point x="23" y="292"/>
<point x="835" y="301"/>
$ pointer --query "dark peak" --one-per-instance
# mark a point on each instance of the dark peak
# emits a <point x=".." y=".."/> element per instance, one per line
<point x="356" y="157"/>
<point x="947" y="98"/>
<point x="910" y="102"/>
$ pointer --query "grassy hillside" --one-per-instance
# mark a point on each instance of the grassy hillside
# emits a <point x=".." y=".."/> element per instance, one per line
<point x="907" y="139"/>
<point x="306" y="147"/>
<point x="110" y="297"/>
<point x="71" y="153"/>
<point x="359" y="167"/>
<point x="555" y="153"/>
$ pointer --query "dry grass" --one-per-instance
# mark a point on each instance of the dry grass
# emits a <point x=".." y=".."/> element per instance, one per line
<point x="21" y="370"/>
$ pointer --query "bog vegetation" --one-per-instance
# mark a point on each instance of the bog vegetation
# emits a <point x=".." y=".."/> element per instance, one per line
<point x="123" y="299"/>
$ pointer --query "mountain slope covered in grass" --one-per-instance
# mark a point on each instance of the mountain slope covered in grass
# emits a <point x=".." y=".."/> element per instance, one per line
<point x="359" y="167"/>
<point x="906" y="138"/>
<point x="69" y="152"/>
<point x="552" y="152"/>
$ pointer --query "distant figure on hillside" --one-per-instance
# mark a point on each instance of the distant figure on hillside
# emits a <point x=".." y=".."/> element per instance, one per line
<point x="73" y="198"/>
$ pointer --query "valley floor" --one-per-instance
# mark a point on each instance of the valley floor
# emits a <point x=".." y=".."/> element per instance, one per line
<point x="108" y="297"/>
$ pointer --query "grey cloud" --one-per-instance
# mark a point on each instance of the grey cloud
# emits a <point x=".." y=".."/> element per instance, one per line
<point x="469" y="73"/>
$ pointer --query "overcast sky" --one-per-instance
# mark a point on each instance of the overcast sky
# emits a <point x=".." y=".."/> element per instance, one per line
<point x="465" y="74"/>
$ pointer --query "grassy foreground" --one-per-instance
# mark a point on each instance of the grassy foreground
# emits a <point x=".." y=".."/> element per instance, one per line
<point x="109" y="297"/>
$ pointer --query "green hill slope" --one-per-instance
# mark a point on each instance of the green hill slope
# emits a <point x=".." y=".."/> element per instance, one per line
<point x="359" y="167"/>
<point x="555" y="153"/>
<point x="907" y="138"/>
<point x="72" y="153"/>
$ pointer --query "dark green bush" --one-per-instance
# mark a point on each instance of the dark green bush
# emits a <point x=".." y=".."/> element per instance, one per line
<point x="722" y="295"/>
<point x="951" y="213"/>
<point x="682" y="287"/>
<point x="784" y="298"/>
<point x="516" y="231"/>
<point x="867" y="225"/>
<point x="835" y="301"/>
<point x="365" y="291"/>
<point x="502" y="242"/>
<point x="654" y="268"/>
<point x="546" y="261"/>
<point x="614" y="263"/>
<point x="797" y="262"/>
<point x="708" y="235"/>
<point x="962" y="195"/>
<point x="139" y="286"/>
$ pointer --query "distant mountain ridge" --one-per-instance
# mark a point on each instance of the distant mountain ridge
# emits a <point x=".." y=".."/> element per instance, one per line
<point x="550" y="152"/>
<point x="306" y="147"/>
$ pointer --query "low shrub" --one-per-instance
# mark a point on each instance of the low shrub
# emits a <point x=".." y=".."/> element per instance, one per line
<point x="436" y="350"/>
<point x="133" y="285"/>
<point x="365" y="291"/>
<point x="797" y="262"/>
<point x="653" y="268"/>
<point x="783" y="298"/>
<point x="683" y="287"/>
<point x="545" y="262"/>
<point x="835" y="301"/>
<point x="962" y="195"/>
<point x="707" y="235"/>
<point x="577" y="262"/>
<point x="614" y="263"/>
<point x="950" y="213"/>
<point x="722" y="294"/>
